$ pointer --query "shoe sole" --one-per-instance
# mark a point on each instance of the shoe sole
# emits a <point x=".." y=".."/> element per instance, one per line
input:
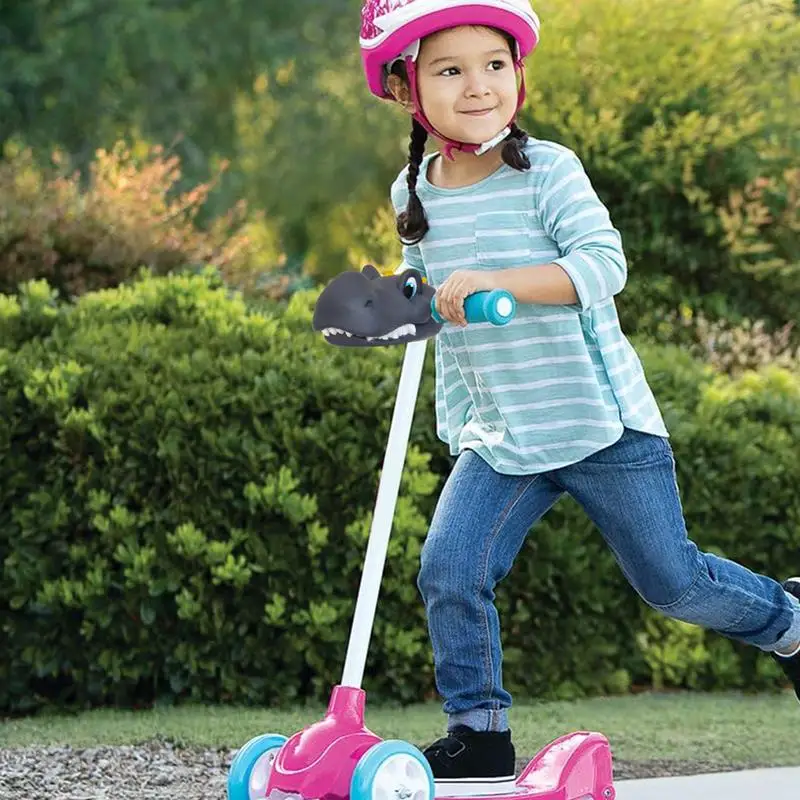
<point x="473" y="787"/>
<point x="795" y="592"/>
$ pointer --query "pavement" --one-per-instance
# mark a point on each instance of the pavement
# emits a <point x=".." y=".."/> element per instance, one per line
<point x="758" y="784"/>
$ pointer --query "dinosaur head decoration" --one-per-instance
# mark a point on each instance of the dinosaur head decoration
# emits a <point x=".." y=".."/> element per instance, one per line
<point x="366" y="309"/>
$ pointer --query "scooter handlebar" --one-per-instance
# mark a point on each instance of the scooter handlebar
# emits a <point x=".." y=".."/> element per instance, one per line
<point x="496" y="307"/>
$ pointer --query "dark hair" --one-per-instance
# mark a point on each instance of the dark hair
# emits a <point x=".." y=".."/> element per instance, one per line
<point x="412" y="224"/>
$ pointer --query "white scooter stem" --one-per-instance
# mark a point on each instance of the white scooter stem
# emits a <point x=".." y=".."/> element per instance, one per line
<point x="388" y="491"/>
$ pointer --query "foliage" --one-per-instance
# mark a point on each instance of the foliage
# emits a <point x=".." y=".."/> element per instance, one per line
<point x="733" y="349"/>
<point x="77" y="73"/>
<point x="683" y="114"/>
<point x="188" y="487"/>
<point x="679" y="111"/>
<point x="187" y="479"/>
<point x="762" y="227"/>
<point x="674" y="650"/>
<point x="333" y="148"/>
<point x="95" y="233"/>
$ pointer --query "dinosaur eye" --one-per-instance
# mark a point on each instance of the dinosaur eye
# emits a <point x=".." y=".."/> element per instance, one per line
<point x="410" y="287"/>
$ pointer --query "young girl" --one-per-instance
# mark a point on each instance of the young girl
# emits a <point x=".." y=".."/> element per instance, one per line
<point x="554" y="402"/>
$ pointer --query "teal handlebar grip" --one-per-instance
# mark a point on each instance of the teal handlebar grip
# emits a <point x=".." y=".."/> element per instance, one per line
<point x="496" y="307"/>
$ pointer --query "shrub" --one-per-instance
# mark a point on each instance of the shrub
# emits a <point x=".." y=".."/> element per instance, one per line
<point x="762" y="228"/>
<point x="736" y="465"/>
<point x="732" y="349"/>
<point x="188" y="485"/>
<point x="680" y="111"/>
<point x="82" y="233"/>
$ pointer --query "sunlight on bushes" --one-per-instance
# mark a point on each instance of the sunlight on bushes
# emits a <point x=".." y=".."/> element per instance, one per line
<point x="90" y="232"/>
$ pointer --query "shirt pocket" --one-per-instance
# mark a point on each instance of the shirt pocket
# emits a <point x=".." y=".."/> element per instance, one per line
<point x="503" y="239"/>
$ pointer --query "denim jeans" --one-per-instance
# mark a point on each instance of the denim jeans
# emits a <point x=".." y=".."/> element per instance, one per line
<point x="629" y="491"/>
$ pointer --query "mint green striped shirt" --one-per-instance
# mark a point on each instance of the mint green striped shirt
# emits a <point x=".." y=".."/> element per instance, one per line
<point x="558" y="383"/>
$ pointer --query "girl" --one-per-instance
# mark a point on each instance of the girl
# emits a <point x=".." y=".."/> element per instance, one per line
<point x="554" y="402"/>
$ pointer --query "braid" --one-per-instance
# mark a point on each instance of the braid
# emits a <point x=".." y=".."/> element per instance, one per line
<point x="514" y="149"/>
<point x="412" y="224"/>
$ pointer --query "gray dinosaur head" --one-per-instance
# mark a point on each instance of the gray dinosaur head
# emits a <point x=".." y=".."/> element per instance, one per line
<point x="366" y="309"/>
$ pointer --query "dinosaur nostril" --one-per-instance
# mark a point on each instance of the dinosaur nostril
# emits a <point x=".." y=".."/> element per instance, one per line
<point x="368" y="303"/>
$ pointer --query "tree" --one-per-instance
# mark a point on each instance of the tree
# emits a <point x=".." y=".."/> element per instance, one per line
<point x="80" y="73"/>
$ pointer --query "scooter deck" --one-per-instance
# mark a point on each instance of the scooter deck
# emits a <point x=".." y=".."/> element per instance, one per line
<point x="576" y="766"/>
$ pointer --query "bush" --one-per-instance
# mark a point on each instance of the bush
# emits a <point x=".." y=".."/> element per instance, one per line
<point x="762" y="228"/>
<point x="188" y="485"/>
<point x="83" y="233"/>
<point x="736" y="465"/>
<point x="732" y="349"/>
<point x="683" y="115"/>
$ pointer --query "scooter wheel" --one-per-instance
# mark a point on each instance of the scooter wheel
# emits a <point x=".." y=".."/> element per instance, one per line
<point x="251" y="767"/>
<point x="392" y="770"/>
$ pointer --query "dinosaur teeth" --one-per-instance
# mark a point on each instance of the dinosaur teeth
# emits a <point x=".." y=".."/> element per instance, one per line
<point x="403" y="330"/>
<point x="397" y="333"/>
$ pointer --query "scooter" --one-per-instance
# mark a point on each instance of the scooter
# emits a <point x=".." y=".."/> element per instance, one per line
<point x="338" y="757"/>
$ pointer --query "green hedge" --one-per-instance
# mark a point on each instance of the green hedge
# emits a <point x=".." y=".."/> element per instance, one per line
<point x="682" y="114"/>
<point x="187" y="486"/>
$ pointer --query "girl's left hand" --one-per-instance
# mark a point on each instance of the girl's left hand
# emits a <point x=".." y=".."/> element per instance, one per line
<point x="461" y="284"/>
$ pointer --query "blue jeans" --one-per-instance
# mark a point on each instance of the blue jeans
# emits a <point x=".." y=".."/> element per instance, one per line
<point x="629" y="491"/>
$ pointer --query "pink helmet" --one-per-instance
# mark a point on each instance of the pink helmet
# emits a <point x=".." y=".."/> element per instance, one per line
<point x="389" y="27"/>
<point x="393" y="29"/>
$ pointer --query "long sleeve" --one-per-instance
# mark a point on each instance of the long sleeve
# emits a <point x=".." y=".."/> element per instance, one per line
<point x="575" y="218"/>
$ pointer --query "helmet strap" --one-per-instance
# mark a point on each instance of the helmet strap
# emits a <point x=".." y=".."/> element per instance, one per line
<point x="449" y="144"/>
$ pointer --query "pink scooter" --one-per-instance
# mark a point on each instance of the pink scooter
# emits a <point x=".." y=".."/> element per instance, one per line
<point x="339" y="757"/>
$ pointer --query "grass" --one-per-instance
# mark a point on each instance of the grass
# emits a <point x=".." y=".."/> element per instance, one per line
<point x="726" y="729"/>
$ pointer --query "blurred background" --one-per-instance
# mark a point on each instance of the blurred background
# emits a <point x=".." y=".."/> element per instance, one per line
<point x="187" y="474"/>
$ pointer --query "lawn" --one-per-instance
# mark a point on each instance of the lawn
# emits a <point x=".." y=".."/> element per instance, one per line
<point x="719" y="730"/>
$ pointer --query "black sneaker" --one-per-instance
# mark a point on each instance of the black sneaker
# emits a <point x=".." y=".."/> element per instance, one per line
<point x="468" y="762"/>
<point x="791" y="665"/>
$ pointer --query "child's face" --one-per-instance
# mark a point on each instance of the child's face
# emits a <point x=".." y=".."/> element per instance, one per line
<point x="466" y="70"/>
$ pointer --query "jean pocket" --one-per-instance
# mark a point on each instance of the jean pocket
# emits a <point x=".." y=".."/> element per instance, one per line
<point x="633" y="449"/>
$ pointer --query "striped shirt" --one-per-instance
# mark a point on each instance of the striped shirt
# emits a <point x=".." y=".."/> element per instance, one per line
<point x="559" y="382"/>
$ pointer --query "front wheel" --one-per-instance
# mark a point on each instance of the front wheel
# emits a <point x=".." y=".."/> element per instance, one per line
<point x="392" y="770"/>
<point x="252" y="767"/>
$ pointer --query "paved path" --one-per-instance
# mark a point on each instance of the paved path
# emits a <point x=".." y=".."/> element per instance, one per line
<point x="760" y="784"/>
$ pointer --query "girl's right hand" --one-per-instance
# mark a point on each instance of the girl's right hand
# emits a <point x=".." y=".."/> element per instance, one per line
<point x="450" y="296"/>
